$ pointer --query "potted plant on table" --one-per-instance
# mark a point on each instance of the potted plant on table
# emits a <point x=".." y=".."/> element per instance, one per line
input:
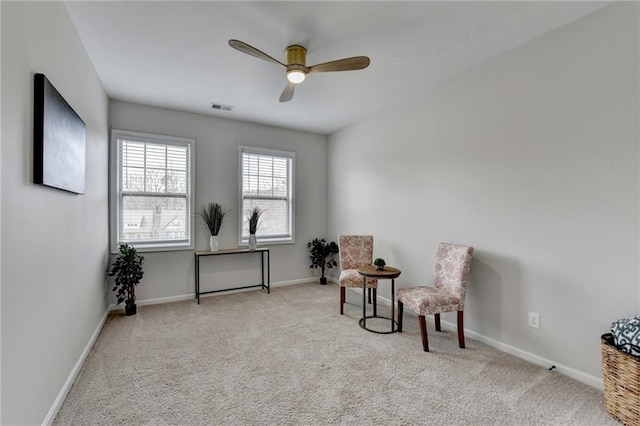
<point x="254" y="220"/>
<point x="127" y="270"/>
<point x="379" y="263"/>
<point x="212" y="215"/>
<point x="322" y="255"/>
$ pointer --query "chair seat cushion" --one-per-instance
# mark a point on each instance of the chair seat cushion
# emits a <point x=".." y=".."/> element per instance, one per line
<point x="429" y="300"/>
<point x="352" y="278"/>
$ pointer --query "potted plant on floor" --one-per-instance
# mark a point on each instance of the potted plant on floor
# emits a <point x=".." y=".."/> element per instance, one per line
<point x="127" y="270"/>
<point x="212" y="215"/>
<point x="322" y="255"/>
<point x="254" y="220"/>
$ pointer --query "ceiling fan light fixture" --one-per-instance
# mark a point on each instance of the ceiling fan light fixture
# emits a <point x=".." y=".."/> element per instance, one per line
<point x="296" y="64"/>
<point x="296" y="76"/>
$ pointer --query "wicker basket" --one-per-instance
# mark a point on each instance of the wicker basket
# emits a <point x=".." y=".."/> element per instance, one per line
<point x="621" y="378"/>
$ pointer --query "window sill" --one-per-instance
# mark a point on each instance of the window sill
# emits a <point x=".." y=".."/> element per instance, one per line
<point x="156" y="249"/>
<point x="267" y="243"/>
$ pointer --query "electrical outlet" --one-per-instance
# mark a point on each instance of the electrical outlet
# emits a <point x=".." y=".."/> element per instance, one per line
<point x="534" y="320"/>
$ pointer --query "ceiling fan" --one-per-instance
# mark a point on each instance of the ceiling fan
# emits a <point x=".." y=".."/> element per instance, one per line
<point x="297" y="69"/>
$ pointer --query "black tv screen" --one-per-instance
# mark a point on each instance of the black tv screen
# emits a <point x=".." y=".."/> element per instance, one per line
<point x="59" y="139"/>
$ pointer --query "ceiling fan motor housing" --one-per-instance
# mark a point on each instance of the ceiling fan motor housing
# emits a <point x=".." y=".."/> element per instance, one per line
<point x="296" y="55"/>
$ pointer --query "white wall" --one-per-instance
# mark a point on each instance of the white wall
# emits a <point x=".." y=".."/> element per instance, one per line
<point x="0" y="223"/>
<point x="171" y="274"/>
<point x="54" y="244"/>
<point x="532" y="158"/>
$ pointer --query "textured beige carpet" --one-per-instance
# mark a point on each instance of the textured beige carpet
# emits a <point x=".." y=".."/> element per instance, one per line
<point x="289" y="358"/>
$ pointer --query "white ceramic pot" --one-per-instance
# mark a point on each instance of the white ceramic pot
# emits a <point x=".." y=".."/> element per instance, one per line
<point x="213" y="243"/>
<point x="253" y="242"/>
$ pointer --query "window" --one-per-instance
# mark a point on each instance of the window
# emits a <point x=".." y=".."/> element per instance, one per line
<point x="266" y="182"/>
<point x="151" y="191"/>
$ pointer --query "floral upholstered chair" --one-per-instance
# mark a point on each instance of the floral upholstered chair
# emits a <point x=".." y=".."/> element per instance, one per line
<point x="355" y="251"/>
<point x="453" y="264"/>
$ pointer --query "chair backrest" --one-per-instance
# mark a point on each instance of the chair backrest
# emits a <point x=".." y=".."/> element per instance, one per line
<point x="355" y="251"/>
<point x="453" y="264"/>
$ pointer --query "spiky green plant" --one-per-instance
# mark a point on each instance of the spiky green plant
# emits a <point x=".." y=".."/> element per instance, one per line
<point x="254" y="219"/>
<point x="212" y="214"/>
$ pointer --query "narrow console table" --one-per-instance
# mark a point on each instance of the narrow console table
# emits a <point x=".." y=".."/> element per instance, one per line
<point x="261" y="250"/>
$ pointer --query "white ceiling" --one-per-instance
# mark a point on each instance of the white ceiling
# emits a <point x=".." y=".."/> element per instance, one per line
<point x="175" y="54"/>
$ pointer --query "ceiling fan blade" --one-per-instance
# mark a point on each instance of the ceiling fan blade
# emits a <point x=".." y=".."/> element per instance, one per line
<point x="287" y="93"/>
<point x="250" y="50"/>
<point x="347" y="64"/>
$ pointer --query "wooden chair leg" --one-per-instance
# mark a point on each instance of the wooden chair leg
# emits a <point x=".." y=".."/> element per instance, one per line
<point x="460" y="329"/>
<point x="400" y="311"/>
<point x="423" y="333"/>
<point x="436" y="319"/>
<point x="375" y="301"/>
<point x="343" y="292"/>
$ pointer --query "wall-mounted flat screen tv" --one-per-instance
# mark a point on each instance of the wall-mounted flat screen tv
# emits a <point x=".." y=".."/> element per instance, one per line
<point x="59" y="139"/>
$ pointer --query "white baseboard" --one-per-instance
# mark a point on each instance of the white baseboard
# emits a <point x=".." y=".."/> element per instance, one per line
<point x="296" y="282"/>
<point x="192" y="296"/>
<point x="578" y="375"/>
<point x="53" y="411"/>
<point x="159" y="300"/>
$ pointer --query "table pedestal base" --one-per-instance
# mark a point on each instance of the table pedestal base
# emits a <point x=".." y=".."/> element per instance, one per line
<point x="394" y="324"/>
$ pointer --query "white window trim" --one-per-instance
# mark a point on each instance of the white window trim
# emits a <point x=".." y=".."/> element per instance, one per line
<point x="113" y="189"/>
<point x="241" y="214"/>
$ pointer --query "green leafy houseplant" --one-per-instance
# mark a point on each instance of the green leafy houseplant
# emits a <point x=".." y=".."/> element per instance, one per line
<point x="212" y="214"/>
<point x="127" y="270"/>
<point x="379" y="263"/>
<point x="322" y="254"/>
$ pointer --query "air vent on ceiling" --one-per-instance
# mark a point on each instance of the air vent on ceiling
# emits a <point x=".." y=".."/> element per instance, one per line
<point x="221" y="107"/>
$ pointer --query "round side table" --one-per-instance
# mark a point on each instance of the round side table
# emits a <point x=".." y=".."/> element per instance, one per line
<point x="388" y="273"/>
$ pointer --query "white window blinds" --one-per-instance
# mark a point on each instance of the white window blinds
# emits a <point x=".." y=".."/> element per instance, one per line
<point x="267" y="183"/>
<point x="153" y="191"/>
